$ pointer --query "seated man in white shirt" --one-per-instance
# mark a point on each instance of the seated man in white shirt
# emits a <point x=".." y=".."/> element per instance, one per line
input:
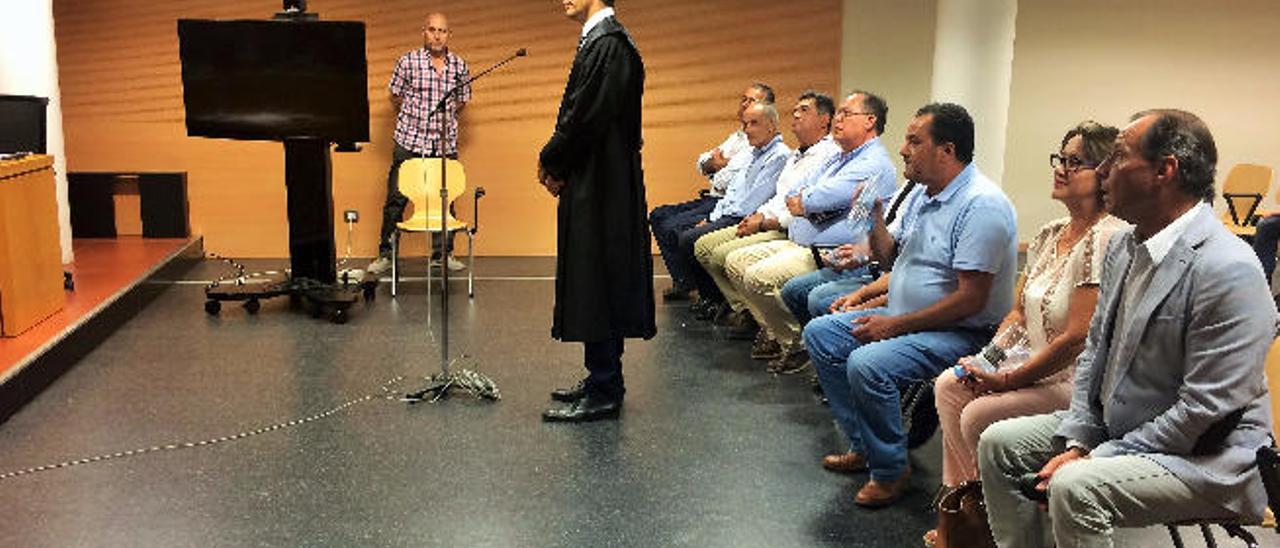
<point x="720" y="165"/>
<point x="811" y="124"/>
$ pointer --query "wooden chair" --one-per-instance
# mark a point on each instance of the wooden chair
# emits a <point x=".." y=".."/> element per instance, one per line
<point x="1243" y="191"/>
<point x="1268" y="466"/>
<point x="419" y="180"/>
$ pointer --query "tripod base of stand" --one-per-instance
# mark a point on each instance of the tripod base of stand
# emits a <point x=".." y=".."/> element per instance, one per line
<point x="441" y="384"/>
<point x="331" y="300"/>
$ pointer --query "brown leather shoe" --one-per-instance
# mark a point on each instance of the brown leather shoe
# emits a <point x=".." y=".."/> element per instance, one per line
<point x="876" y="494"/>
<point x="847" y="463"/>
<point x="765" y="348"/>
<point x="789" y="363"/>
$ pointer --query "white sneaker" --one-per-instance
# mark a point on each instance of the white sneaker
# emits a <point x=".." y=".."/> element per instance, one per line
<point x="455" y="265"/>
<point x="379" y="265"/>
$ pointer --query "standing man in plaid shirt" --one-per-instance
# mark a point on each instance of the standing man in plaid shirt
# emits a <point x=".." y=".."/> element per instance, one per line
<point x="421" y="78"/>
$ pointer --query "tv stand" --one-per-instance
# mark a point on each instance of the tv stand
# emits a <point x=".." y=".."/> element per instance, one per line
<point x="312" y="279"/>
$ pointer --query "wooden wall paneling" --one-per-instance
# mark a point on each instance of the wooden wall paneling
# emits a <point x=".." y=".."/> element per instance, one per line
<point x="122" y="101"/>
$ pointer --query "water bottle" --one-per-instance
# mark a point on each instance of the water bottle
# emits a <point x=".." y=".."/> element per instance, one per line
<point x="859" y="218"/>
<point x="1009" y="348"/>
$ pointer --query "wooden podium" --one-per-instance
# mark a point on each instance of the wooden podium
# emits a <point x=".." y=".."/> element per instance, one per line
<point x="31" y="283"/>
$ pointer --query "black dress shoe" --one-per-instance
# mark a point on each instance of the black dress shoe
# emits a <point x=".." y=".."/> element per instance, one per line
<point x="712" y="310"/>
<point x="676" y="293"/>
<point x="590" y="407"/>
<point x="569" y="395"/>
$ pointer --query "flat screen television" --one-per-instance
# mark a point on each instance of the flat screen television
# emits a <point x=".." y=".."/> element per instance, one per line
<point x="271" y="80"/>
<point x="23" y="123"/>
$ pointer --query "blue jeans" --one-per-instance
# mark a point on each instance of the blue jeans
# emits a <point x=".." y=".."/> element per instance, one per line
<point x="863" y="382"/>
<point x="1264" y="244"/>
<point x="805" y="294"/>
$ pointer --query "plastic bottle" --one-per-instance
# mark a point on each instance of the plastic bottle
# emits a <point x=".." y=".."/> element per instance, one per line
<point x="1008" y="348"/>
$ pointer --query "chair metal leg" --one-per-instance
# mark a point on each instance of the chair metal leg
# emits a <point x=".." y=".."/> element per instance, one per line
<point x="395" y="263"/>
<point x="1173" y="534"/>
<point x="1207" y="532"/>
<point x="1236" y="531"/>
<point x="471" y="265"/>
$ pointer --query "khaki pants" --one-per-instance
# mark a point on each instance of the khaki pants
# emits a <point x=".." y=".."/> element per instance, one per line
<point x="759" y="271"/>
<point x="1087" y="498"/>
<point x="712" y="249"/>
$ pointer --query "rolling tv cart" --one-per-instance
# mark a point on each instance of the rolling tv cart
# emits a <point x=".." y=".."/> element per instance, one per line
<point x="301" y="82"/>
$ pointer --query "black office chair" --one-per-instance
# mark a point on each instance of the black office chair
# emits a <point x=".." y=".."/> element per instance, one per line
<point x="919" y="414"/>
<point x="1269" y="467"/>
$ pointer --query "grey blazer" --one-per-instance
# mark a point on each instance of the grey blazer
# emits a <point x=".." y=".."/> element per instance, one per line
<point x="1191" y="395"/>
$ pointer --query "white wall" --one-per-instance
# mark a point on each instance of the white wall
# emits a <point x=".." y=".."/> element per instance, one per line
<point x="888" y="50"/>
<point x="972" y="66"/>
<point x="29" y="66"/>
<point x="1105" y="60"/>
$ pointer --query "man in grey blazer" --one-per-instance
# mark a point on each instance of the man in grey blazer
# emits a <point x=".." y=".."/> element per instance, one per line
<point x="1170" y="402"/>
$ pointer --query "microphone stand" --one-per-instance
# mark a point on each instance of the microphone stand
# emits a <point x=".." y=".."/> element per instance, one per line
<point x="439" y="385"/>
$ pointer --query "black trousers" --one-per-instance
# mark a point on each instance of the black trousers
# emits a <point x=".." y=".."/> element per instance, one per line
<point x="686" y="263"/>
<point x="667" y="222"/>
<point x="393" y="208"/>
<point x="603" y="360"/>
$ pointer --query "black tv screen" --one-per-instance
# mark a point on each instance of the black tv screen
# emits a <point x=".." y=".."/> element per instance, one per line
<point x="275" y="79"/>
<point x="23" y="123"/>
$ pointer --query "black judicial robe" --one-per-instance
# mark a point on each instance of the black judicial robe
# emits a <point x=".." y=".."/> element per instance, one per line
<point x="604" y="268"/>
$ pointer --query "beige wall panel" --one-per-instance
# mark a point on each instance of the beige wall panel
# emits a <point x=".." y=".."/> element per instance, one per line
<point x="888" y="50"/>
<point x="1105" y="60"/>
<point x="122" y="97"/>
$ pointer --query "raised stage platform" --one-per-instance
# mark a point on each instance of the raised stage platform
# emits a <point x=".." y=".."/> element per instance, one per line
<point x="111" y="284"/>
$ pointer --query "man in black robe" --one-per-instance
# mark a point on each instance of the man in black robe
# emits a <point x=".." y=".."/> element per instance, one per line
<point x="604" y="267"/>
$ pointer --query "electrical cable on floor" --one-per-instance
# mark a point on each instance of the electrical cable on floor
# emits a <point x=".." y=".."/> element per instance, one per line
<point x="385" y="393"/>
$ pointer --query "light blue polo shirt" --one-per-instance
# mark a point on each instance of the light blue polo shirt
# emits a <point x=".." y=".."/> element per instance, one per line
<point x="754" y="186"/>
<point x="970" y="225"/>
<point x="828" y="194"/>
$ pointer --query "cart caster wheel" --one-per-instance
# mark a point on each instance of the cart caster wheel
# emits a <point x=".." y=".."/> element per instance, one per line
<point x="370" y="292"/>
<point x="338" y="316"/>
<point x="252" y="306"/>
<point x="212" y="307"/>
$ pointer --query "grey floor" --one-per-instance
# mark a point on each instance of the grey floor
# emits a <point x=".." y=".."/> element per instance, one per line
<point x="711" y="451"/>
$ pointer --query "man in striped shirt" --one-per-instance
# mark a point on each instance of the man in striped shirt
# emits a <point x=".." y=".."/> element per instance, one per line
<point x="421" y="79"/>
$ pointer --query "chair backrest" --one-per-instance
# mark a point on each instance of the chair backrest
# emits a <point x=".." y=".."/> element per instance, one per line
<point x="1245" y="187"/>
<point x="1273" y="385"/>
<point x="419" y="180"/>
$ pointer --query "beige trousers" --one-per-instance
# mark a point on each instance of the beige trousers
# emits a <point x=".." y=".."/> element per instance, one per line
<point x="759" y="271"/>
<point x="964" y="415"/>
<point x="713" y="248"/>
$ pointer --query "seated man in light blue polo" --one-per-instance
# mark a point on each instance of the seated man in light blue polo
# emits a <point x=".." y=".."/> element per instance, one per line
<point x="810" y="295"/>
<point x="952" y="282"/>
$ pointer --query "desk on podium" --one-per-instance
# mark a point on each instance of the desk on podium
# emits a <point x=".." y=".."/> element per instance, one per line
<point x="31" y="283"/>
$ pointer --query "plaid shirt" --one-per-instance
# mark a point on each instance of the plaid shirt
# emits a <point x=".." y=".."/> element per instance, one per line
<point x="420" y="86"/>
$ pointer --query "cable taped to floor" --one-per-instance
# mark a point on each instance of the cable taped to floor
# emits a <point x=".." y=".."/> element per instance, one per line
<point x="385" y="393"/>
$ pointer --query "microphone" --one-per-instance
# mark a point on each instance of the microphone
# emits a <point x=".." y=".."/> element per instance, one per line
<point x="522" y="52"/>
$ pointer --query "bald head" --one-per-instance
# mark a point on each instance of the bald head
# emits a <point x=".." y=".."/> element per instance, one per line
<point x="435" y="33"/>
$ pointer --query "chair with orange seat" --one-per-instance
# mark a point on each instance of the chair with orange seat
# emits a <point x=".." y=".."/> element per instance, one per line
<point x="1243" y="190"/>
<point x="419" y="181"/>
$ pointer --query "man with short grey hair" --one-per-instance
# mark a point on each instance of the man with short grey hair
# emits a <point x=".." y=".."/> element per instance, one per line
<point x="721" y="165"/>
<point x="1170" y="403"/>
